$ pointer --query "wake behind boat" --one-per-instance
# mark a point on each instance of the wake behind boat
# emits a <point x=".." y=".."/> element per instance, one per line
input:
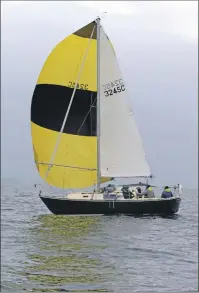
<point x="84" y="131"/>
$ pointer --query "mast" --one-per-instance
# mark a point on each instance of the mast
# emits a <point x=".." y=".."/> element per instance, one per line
<point x="98" y="104"/>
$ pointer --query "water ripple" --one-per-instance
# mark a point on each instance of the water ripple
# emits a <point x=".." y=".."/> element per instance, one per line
<point x="47" y="253"/>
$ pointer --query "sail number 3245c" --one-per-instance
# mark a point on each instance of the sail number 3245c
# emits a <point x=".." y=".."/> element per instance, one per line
<point x="113" y="87"/>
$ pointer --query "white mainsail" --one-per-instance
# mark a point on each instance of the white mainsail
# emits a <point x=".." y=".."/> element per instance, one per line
<point x="121" y="150"/>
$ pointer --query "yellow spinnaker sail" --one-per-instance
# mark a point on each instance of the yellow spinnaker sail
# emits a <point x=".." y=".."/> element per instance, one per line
<point x="75" y="162"/>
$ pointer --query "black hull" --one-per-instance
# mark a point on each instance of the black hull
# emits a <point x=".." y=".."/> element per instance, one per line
<point x="93" y="207"/>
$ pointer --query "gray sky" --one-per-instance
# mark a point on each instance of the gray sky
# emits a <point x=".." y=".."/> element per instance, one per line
<point x="156" y="44"/>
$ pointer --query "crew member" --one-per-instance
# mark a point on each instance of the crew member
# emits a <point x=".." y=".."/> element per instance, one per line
<point x="166" y="193"/>
<point x="149" y="193"/>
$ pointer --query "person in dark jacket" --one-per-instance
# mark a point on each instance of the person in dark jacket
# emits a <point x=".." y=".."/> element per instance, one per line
<point x="138" y="189"/>
<point x="166" y="193"/>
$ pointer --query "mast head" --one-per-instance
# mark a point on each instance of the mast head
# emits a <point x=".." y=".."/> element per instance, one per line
<point x="97" y="19"/>
<point x="102" y="16"/>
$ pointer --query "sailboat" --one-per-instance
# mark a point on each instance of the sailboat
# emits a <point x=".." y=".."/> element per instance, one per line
<point x="84" y="132"/>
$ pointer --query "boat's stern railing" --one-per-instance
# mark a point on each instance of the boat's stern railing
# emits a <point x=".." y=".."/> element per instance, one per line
<point x="177" y="190"/>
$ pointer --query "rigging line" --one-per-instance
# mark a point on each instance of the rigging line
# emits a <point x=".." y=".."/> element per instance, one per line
<point x="66" y="166"/>
<point x="69" y="106"/>
<point x="91" y="106"/>
<point x="76" y="72"/>
<point x="90" y="116"/>
<point x="86" y="116"/>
